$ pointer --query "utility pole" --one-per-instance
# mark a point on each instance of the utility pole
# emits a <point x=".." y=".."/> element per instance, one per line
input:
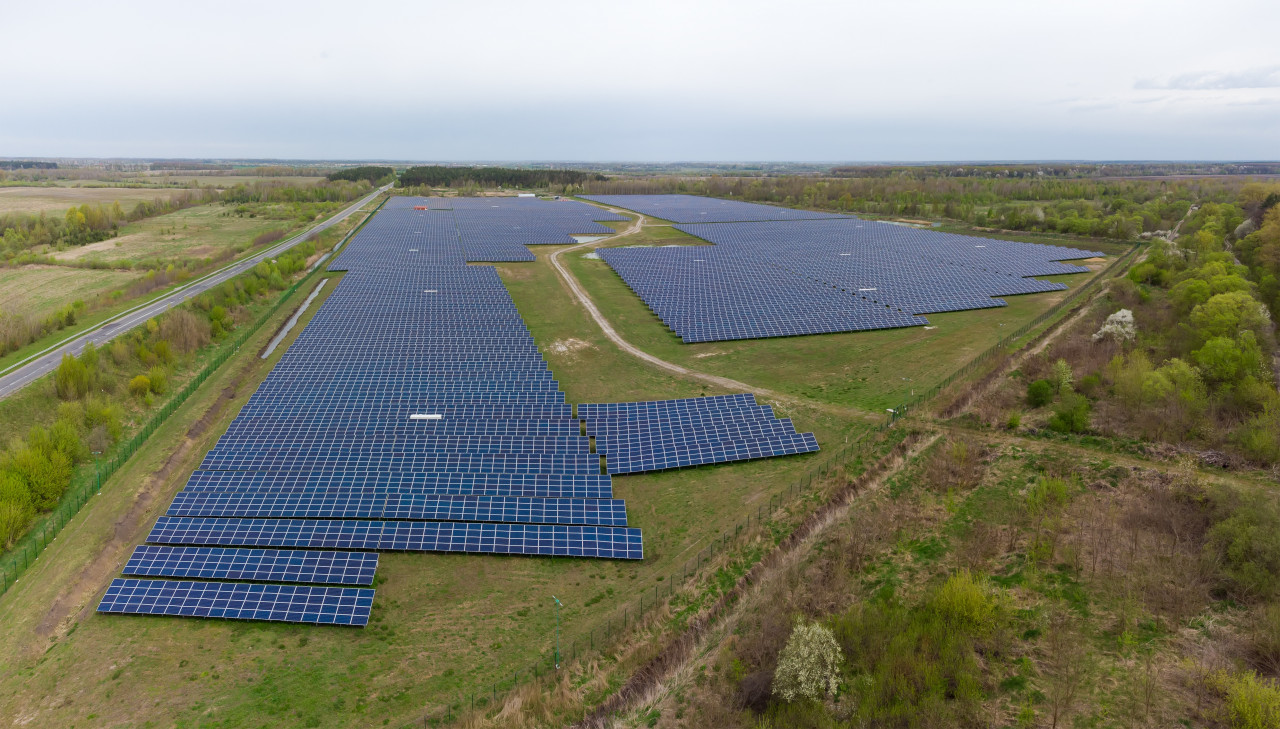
<point x="558" y="606"/>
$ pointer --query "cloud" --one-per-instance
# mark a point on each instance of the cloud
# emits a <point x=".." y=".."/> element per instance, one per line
<point x="1265" y="77"/>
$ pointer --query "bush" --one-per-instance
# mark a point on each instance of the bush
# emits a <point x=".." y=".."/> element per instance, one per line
<point x="809" y="665"/>
<point x="159" y="380"/>
<point x="140" y="385"/>
<point x="72" y="379"/>
<point x="1071" y="415"/>
<point x="1040" y="393"/>
<point x="963" y="604"/>
<point x="185" y="330"/>
<point x="1252" y="702"/>
<point x="15" y="507"/>
<point x="1245" y="543"/>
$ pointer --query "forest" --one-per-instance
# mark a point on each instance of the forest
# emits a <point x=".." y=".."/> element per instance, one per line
<point x="438" y="176"/>
<point x="369" y="173"/>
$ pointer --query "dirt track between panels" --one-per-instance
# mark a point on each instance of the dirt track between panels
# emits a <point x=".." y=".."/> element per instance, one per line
<point x="729" y="384"/>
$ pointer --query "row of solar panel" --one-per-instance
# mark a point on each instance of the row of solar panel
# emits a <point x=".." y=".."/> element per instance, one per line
<point x="788" y="273"/>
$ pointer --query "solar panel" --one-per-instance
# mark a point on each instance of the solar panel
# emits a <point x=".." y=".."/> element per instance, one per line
<point x="257" y="565"/>
<point x="789" y="273"/>
<point x="405" y="536"/>
<point x="240" y="601"/>
<point x="655" y="435"/>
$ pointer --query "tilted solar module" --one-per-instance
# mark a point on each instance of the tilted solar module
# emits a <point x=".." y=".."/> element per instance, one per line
<point x="404" y="536"/>
<point x="240" y="601"/>
<point x="257" y="565"/>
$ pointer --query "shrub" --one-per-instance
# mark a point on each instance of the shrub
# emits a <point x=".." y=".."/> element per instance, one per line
<point x="1252" y="702"/>
<point x="164" y="352"/>
<point x="119" y="352"/>
<point x="140" y="385"/>
<point x="963" y="604"/>
<point x="159" y="380"/>
<point x="1040" y="393"/>
<point x="72" y="378"/>
<point x="185" y="330"/>
<point x="15" y="507"/>
<point x="1245" y="542"/>
<point x="809" y="665"/>
<point x="1071" y="415"/>
<point x="1063" y="378"/>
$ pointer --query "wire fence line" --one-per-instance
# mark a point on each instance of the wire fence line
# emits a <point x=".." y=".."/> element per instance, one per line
<point x="88" y="482"/>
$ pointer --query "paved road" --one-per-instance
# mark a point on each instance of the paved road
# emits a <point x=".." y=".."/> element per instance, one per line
<point x="42" y="363"/>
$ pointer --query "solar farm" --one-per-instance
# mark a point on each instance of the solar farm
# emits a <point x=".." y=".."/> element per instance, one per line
<point x="775" y="272"/>
<point x="415" y="413"/>
<point x="447" y="439"/>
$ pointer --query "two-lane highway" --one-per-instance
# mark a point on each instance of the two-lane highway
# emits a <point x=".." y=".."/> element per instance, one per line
<point x="23" y="373"/>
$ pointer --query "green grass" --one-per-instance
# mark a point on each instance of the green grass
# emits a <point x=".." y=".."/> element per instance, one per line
<point x="197" y="232"/>
<point x="869" y="370"/>
<point x="41" y="290"/>
<point x="54" y="201"/>
<point x="443" y="626"/>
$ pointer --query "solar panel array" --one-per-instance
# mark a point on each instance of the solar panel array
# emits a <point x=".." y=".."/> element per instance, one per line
<point x="773" y="277"/>
<point x="649" y="436"/>
<point x="455" y="230"/>
<point x="414" y="412"/>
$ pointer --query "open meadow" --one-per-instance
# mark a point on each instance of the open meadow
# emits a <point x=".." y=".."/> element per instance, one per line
<point x="203" y="231"/>
<point x="55" y="201"/>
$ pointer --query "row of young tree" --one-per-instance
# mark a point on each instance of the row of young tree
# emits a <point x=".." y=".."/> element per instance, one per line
<point x="103" y="392"/>
<point x="489" y="177"/>
<point x="1119" y="209"/>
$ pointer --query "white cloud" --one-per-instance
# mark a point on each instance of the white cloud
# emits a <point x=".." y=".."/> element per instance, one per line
<point x="1253" y="78"/>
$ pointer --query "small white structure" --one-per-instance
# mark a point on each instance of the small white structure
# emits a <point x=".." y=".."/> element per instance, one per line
<point x="525" y="194"/>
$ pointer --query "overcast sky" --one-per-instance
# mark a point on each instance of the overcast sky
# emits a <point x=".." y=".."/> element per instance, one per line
<point x="643" y="81"/>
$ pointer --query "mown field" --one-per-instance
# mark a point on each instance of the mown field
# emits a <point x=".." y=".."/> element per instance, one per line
<point x="198" y="232"/>
<point x="40" y="289"/>
<point x="56" y="200"/>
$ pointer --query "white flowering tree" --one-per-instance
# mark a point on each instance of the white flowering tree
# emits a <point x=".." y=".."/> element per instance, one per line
<point x="1119" y="326"/>
<point x="809" y="665"/>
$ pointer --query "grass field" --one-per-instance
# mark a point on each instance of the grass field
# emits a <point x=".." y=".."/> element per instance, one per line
<point x="40" y="290"/>
<point x="56" y="200"/>
<point x="196" y="232"/>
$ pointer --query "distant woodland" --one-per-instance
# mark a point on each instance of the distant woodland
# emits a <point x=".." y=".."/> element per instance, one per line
<point x="438" y="176"/>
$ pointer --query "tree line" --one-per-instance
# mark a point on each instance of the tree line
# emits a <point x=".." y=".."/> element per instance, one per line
<point x="439" y="176"/>
<point x="370" y="173"/>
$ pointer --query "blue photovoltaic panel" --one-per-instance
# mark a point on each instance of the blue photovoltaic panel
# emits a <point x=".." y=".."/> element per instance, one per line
<point x="257" y="565"/>
<point x="658" y="434"/>
<point x="413" y="412"/>
<point x="406" y="536"/>
<point x="511" y="509"/>
<point x="240" y="601"/>
<point x="799" y="274"/>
